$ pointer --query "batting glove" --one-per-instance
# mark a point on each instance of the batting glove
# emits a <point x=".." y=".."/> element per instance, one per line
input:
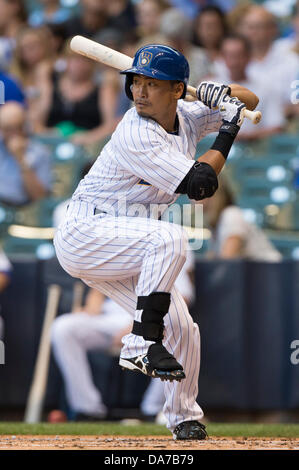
<point x="232" y="110"/>
<point x="212" y="93"/>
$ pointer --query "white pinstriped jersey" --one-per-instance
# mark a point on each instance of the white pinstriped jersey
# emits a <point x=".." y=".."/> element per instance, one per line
<point x="144" y="164"/>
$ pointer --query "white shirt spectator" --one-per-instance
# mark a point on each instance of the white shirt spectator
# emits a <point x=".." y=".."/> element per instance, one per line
<point x="256" y="246"/>
<point x="272" y="108"/>
<point x="277" y="71"/>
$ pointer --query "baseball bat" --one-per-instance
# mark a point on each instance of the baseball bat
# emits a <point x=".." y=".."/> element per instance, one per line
<point x="100" y="53"/>
<point x="37" y="391"/>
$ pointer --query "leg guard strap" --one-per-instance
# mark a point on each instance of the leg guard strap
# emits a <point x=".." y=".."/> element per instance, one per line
<point x="149" y="331"/>
<point x="159" y="301"/>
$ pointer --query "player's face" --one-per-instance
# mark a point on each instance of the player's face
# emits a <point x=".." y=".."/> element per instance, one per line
<point x="155" y="98"/>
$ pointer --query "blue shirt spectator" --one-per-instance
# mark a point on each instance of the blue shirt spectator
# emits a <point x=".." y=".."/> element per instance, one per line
<point x="10" y="90"/>
<point x="12" y="188"/>
<point x="51" y="13"/>
<point x="25" y="169"/>
<point x="191" y="8"/>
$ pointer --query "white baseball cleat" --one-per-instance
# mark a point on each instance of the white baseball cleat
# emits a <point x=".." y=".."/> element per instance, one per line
<point x="142" y="364"/>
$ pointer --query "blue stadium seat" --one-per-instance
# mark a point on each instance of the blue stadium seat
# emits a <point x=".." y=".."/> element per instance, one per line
<point x="284" y="143"/>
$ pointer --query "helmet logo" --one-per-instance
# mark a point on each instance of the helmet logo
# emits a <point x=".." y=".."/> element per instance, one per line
<point x="144" y="58"/>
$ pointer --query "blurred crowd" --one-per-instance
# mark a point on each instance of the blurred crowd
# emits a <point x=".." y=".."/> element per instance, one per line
<point x="56" y="92"/>
<point x="59" y="93"/>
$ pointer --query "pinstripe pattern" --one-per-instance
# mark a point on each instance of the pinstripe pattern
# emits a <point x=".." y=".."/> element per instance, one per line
<point x="122" y="251"/>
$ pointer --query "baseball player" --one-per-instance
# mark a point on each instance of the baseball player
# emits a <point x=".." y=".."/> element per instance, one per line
<point x="113" y="240"/>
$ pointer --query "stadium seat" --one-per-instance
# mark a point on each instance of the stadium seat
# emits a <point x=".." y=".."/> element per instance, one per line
<point x="284" y="143"/>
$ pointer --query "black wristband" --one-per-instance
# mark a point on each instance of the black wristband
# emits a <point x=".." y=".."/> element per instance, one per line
<point x="225" y="138"/>
<point x="230" y="128"/>
<point x="223" y="143"/>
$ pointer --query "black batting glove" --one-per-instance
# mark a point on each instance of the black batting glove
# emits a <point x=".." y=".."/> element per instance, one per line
<point x="212" y="93"/>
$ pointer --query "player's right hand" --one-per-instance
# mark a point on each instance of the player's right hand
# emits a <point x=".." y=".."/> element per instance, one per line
<point x="232" y="110"/>
<point x="211" y="93"/>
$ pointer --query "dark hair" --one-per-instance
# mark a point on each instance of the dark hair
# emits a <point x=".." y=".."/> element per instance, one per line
<point x="240" y="38"/>
<point x="210" y="9"/>
<point x="22" y="14"/>
<point x="217" y="11"/>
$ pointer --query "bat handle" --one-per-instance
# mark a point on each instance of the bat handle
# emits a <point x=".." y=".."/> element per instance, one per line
<point x="254" y="116"/>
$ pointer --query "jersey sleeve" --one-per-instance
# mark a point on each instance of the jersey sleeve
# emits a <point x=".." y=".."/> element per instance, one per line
<point x="141" y="148"/>
<point x="202" y="120"/>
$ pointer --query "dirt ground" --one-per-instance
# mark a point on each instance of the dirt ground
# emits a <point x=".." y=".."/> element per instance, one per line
<point x="143" y="443"/>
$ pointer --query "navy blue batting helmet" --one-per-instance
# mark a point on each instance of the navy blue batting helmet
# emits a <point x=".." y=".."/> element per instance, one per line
<point x="160" y="62"/>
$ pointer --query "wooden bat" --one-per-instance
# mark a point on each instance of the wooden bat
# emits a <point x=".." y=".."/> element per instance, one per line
<point x="37" y="391"/>
<point x="96" y="51"/>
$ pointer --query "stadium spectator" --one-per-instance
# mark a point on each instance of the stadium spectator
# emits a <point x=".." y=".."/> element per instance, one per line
<point x="231" y="235"/>
<point x="286" y="45"/>
<point x="33" y="54"/>
<point x="177" y="29"/>
<point x="291" y="42"/>
<point x="77" y="104"/>
<point x="5" y="273"/>
<point x="121" y="15"/>
<point x="236" y="54"/>
<point x="91" y="20"/>
<point x="50" y="11"/>
<point x="148" y="16"/>
<point x="108" y="75"/>
<point x="267" y="64"/>
<point x="209" y="30"/>
<point x="25" y="170"/>
<point x="192" y="8"/>
<point x="33" y="49"/>
<point x="13" y="17"/>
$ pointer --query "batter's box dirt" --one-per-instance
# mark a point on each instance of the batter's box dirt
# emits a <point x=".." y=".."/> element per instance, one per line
<point x="26" y="442"/>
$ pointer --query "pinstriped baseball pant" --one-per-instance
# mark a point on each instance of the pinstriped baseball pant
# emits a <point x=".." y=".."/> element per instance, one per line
<point x="127" y="257"/>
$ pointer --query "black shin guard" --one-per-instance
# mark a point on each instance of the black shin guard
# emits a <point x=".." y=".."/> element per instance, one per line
<point x="154" y="306"/>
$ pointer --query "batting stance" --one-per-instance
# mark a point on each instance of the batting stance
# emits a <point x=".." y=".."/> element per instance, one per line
<point x="112" y="239"/>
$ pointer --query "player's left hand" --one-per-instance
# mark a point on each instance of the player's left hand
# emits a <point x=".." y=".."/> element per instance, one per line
<point x="212" y="93"/>
<point x="232" y="111"/>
